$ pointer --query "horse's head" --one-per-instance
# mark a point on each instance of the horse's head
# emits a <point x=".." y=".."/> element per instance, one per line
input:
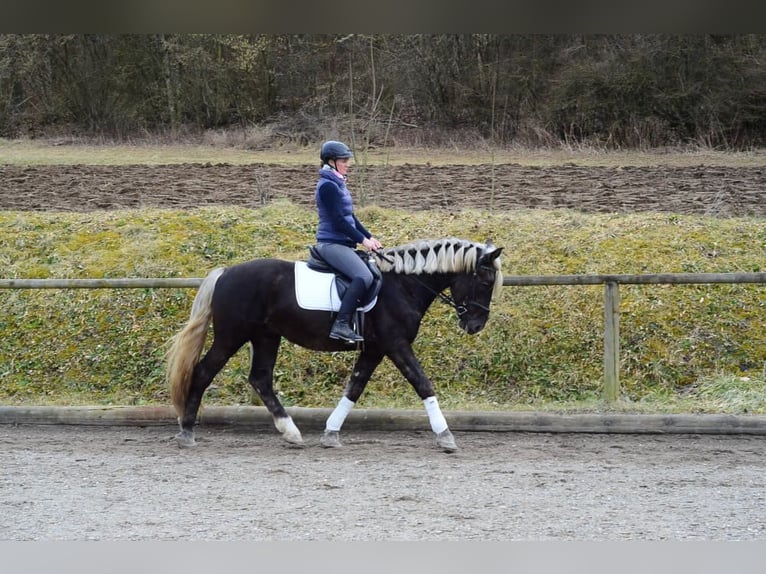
<point x="473" y="291"/>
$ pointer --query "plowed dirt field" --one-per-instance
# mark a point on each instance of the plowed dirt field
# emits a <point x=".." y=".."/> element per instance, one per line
<point x="713" y="190"/>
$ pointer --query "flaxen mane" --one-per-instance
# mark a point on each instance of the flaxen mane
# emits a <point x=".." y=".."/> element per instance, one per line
<point x="449" y="255"/>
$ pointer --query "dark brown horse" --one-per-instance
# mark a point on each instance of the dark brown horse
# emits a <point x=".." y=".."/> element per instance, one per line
<point x="255" y="302"/>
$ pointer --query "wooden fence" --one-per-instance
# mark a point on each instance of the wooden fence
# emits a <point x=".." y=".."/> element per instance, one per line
<point x="612" y="305"/>
<point x="611" y="284"/>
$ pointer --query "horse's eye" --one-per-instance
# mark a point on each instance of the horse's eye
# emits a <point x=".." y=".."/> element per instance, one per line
<point x="486" y="277"/>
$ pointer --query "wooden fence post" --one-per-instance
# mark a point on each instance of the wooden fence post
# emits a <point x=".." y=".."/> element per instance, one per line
<point x="611" y="341"/>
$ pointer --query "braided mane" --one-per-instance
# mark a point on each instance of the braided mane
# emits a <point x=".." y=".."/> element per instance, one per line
<point x="447" y="255"/>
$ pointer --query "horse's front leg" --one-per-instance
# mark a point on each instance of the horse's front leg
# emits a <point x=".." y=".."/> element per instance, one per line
<point x="404" y="359"/>
<point x="363" y="369"/>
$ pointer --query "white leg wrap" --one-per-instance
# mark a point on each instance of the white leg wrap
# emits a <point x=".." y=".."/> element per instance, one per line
<point x="435" y="416"/>
<point x="338" y="416"/>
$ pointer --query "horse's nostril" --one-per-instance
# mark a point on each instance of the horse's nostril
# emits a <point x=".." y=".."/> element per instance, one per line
<point x="474" y="328"/>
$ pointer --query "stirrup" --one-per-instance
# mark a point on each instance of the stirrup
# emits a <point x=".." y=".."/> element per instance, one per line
<point x="344" y="332"/>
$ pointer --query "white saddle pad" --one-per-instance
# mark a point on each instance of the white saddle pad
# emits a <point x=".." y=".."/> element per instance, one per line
<point x="316" y="291"/>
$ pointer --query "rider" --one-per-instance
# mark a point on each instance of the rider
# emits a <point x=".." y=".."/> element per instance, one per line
<point x="339" y="232"/>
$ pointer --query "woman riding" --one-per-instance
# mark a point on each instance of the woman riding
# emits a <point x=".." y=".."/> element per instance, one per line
<point x="339" y="232"/>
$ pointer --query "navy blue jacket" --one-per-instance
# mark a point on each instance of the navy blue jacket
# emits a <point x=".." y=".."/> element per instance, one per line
<point x="337" y="222"/>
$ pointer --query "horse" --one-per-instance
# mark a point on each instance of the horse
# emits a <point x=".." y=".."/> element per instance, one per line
<point x="255" y="302"/>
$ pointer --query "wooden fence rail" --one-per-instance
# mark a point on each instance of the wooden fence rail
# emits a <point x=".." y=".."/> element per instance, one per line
<point x="611" y="284"/>
<point x="132" y="283"/>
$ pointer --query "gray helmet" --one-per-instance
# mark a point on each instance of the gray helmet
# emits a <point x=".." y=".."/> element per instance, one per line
<point x="334" y="150"/>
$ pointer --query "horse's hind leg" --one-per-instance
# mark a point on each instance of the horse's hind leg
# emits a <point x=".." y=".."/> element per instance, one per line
<point x="263" y="358"/>
<point x="204" y="373"/>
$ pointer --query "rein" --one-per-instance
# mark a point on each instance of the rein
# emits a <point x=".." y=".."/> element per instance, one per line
<point x="460" y="309"/>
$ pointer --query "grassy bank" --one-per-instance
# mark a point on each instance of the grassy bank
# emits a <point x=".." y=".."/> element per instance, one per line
<point x="684" y="348"/>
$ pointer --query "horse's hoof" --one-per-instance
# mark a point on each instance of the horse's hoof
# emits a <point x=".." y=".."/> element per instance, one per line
<point x="330" y="439"/>
<point x="185" y="439"/>
<point x="288" y="430"/>
<point x="293" y="437"/>
<point x="445" y="441"/>
<point x="294" y="441"/>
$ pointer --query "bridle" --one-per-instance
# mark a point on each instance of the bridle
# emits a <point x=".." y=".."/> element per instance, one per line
<point x="460" y="308"/>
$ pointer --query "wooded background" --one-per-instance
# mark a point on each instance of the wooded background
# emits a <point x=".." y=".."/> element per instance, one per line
<point x="615" y="91"/>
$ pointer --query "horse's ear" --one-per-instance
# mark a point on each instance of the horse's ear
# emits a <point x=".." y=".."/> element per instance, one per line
<point x="490" y="255"/>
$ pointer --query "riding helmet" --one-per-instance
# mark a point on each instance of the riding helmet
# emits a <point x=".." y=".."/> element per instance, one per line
<point x="334" y="150"/>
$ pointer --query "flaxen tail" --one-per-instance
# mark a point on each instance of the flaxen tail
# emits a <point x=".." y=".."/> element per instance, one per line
<point x="186" y="346"/>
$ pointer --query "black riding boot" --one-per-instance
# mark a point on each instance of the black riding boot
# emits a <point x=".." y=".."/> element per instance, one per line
<point x="341" y="329"/>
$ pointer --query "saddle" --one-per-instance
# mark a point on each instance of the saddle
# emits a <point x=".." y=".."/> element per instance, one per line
<point x="316" y="263"/>
<point x="319" y="287"/>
